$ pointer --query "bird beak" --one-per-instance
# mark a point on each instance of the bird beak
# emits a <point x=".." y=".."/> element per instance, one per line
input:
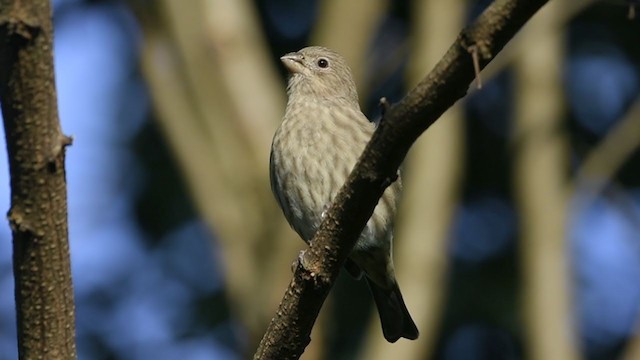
<point x="293" y="62"/>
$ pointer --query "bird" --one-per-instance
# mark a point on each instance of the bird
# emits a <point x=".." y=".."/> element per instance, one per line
<point x="321" y="136"/>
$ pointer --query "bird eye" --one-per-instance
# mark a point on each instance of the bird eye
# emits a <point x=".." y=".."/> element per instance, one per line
<point x="323" y="63"/>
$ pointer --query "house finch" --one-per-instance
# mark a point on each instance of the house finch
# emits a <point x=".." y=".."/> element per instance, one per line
<point x="322" y="134"/>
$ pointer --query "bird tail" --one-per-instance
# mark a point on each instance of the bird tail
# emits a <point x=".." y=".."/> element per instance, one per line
<point x="394" y="316"/>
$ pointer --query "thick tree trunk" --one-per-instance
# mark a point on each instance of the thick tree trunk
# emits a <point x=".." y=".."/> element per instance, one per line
<point x="38" y="215"/>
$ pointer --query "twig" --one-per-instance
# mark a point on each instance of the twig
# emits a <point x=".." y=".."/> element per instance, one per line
<point x="473" y="50"/>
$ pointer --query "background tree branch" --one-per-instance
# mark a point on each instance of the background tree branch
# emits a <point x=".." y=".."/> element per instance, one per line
<point x="199" y="69"/>
<point x="564" y="12"/>
<point x="38" y="214"/>
<point x="347" y="27"/>
<point x="540" y="180"/>
<point x="288" y="332"/>
<point x="601" y="163"/>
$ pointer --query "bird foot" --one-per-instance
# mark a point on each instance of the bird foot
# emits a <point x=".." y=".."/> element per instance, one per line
<point x="324" y="211"/>
<point x="299" y="261"/>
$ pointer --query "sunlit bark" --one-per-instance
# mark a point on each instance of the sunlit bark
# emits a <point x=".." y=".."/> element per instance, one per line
<point x="36" y="152"/>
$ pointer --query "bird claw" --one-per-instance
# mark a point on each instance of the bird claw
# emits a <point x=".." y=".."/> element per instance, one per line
<point x="299" y="261"/>
<point x="324" y="211"/>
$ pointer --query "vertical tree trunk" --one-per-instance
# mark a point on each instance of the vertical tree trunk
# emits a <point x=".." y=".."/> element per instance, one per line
<point x="38" y="215"/>
<point x="541" y="190"/>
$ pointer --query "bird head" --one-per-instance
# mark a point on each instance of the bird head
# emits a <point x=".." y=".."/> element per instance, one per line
<point x="321" y="73"/>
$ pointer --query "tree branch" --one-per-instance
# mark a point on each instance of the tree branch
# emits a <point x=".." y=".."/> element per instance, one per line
<point x="288" y="332"/>
<point x="38" y="215"/>
<point x="601" y="164"/>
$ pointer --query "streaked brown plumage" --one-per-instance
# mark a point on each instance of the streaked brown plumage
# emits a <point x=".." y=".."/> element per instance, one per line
<point x="322" y="134"/>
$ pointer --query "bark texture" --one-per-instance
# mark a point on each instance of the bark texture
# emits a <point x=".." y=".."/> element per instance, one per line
<point x="38" y="214"/>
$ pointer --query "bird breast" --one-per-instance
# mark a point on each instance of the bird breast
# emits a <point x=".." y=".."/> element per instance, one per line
<point x="313" y="153"/>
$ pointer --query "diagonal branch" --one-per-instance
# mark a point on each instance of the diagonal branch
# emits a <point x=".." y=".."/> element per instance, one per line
<point x="602" y="163"/>
<point x="288" y="333"/>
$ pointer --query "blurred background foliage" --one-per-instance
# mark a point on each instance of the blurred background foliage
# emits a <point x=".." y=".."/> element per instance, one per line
<point x="519" y="234"/>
